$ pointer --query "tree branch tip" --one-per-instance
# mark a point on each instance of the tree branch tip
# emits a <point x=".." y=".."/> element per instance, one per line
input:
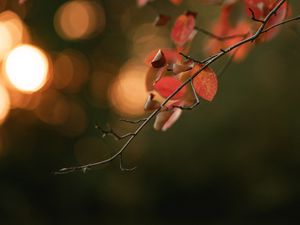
<point x="123" y="169"/>
<point x="133" y="121"/>
<point x="253" y="17"/>
<point x="205" y="63"/>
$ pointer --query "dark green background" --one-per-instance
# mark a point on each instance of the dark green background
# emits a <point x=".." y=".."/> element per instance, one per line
<point x="233" y="161"/>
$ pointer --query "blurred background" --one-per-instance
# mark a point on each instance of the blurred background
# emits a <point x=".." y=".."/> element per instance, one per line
<point x="67" y="65"/>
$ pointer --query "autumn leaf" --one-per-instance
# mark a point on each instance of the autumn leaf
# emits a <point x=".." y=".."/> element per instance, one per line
<point x="206" y="83"/>
<point x="230" y="34"/>
<point x="183" y="28"/>
<point x="170" y="55"/>
<point x="176" y="2"/>
<point x="161" y="20"/>
<point x="261" y="9"/>
<point x="167" y="85"/>
<point x="141" y="3"/>
<point x="159" y="60"/>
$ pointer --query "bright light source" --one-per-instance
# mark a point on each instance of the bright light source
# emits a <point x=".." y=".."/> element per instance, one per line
<point x="27" y="68"/>
<point x="4" y="104"/>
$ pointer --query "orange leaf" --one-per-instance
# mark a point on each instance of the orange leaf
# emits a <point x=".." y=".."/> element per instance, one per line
<point x="183" y="28"/>
<point x="167" y="85"/>
<point x="206" y="83"/>
<point x="141" y="3"/>
<point x="176" y="2"/>
<point x="170" y="55"/>
<point x="159" y="60"/>
<point x="261" y="9"/>
<point x="161" y="20"/>
<point x="153" y="75"/>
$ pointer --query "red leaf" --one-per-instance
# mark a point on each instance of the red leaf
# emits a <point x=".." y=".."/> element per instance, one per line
<point x="167" y="85"/>
<point x="182" y="29"/>
<point x="161" y="20"/>
<point x="223" y="28"/>
<point x="206" y="83"/>
<point x="171" y="56"/>
<point x="141" y="3"/>
<point x="241" y="52"/>
<point x="159" y="60"/>
<point x="281" y="14"/>
<point x="261" y="9"/>
<point x="153" y="75"/>
<point x="176" y="2"/>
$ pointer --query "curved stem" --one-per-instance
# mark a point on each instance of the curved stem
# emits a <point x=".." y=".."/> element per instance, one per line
<point x="206" y="63"/>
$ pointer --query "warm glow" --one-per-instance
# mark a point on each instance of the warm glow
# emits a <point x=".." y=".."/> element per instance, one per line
<point x="27" y="68"/>
<point x="79" y="19"/>
<point x="128" y="93"/>
<point x="4" y="104"/>
<point x="12" y="32"/>
<point x="71" y="69"/>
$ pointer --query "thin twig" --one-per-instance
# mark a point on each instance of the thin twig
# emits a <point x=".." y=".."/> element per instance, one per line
<point x="254" y="18"/>
<point x="195" y="60"/>
<point x="189" y="58"/>
<point x="281" y="23"/>
<point x="133" y="121"/>
<point x="122" y="167"/>
<point x="220" y="38"/>
<point x="226" y="65"/>
<point x="187" y="81"/>
<point x="111" y="132"/>
<point x="196" y="103"/>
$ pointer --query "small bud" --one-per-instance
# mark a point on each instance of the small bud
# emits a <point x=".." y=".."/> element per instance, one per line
<point x="191" y="13"/>
<point x="159" y="60"/>
<point x="161" y="20"/>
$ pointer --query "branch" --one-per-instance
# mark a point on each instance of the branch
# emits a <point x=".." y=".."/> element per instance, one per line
<point x="220" y="38"/>
<point x="133" y="121"/>
<point x="281" y="23"/>
<point x="206" y="63"/>
<point x="111" y="132"/>
<point x="189" y="58"/>
<point x="254" y="18"/>
<point x="226" y="65"/>
<point x="122" y="168"/>
<point x="193" y="105"/>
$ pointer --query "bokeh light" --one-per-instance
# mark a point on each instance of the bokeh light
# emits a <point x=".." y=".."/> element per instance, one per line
<point x="79" y="20"/>
<point x="145" y="38"/>
<point x="98" y="86"/>
<point x="20" y="100"/>
<point x="27" y="68"/>
<point x="127" y="93"/>
<point x="71" y="69"/>
<point x="4" y="104"/>
<point x="76" y="122"/>
<point x="52" y="108"/>
<point x="12" y="32"/>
